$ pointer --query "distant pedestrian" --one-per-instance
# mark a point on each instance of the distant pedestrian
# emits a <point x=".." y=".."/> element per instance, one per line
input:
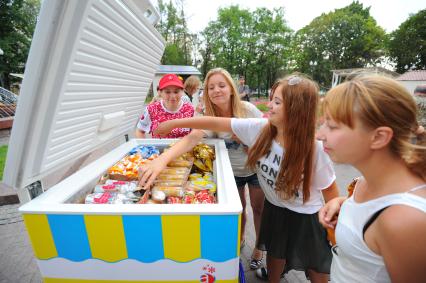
<point x="243" y="89"/>
<point x="192" y="87"/>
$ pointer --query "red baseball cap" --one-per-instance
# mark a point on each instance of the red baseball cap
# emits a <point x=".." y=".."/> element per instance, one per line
<point x="170" y="80"/>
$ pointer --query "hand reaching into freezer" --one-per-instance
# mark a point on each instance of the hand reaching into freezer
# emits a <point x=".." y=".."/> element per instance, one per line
<point x="150" y="171"/>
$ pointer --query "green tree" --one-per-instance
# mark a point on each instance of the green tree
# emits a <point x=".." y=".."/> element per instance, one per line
<point x="173" y="28"/>
<point x="174" y="55"/>
<point x="17" y="23"/>
<point x="345" y="38"/>
<point x="254" y="44"/>
<point x="272" y="38"/>
<point x="407" y="46"/>
<point x="228" y="40"/>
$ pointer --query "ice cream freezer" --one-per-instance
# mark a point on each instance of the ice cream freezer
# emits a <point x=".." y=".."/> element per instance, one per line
<point x="90" y="66"/>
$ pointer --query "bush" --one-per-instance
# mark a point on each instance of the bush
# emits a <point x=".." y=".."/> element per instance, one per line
<point x="262" y="107"/>
<point x="3" y="153"/>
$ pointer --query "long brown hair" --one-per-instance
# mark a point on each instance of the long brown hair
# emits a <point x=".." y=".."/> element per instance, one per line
<point x="300" y="99"/>
<point x="237" y="108"/>
<point x="380" y="101"/>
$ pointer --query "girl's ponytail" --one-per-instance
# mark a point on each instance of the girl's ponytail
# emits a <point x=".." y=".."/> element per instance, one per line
<point x="415" y="157"/>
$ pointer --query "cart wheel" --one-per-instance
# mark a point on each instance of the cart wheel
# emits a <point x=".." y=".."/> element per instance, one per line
<point x="241" y="277"/>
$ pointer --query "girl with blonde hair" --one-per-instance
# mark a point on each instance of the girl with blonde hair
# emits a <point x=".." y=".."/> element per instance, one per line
<point x="221" y="100"/>
<point x="294" y="173"/>
<point x="370" y="123"/>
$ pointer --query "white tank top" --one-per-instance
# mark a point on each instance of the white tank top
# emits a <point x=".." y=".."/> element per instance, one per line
<point x="353" y="261"/>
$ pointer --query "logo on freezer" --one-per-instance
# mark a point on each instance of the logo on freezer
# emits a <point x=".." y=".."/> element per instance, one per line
<point x="208" y="276"/>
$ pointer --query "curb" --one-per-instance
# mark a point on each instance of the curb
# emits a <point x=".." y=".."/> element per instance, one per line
<point x="11" y="199"/>
<point x="7" y="195"/>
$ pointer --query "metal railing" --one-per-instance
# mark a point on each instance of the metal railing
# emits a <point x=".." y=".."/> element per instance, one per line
<point x="8" y="102"/>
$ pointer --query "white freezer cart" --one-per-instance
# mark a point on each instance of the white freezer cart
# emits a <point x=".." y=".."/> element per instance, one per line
<point x="89" y="70"/>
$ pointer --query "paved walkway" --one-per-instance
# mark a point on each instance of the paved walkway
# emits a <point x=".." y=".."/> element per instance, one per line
<point x="17" y="263"/>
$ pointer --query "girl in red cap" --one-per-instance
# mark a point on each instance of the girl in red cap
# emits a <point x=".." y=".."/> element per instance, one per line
<point x="169" y="107"/>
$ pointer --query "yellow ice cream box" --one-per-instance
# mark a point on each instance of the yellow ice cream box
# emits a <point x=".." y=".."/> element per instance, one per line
<point x="90" y="67"/>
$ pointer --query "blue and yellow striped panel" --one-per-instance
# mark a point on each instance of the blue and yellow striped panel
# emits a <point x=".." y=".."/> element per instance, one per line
<point x="70" y="236"/>
<point x="106" y="237"/>
<point x="40" y="236"/>
<point x="144" y="238"/>
<point x="181" y="236"/>
<point x="219" y="237"/>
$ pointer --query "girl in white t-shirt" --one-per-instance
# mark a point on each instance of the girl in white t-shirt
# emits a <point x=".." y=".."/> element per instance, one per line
<point x="293" y="171"/>
<point x="221" y="99"/>
<point x="370" y="123"/>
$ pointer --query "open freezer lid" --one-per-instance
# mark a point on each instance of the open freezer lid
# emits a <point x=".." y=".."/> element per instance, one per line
<point x="88" y="72"/>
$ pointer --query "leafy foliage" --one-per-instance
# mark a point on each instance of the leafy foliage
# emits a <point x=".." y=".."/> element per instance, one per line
<point x="262" y="107"/>
<point x="18" y="19"/>
<point x="407" y="45"/>
<point x="253" y="44"/>
<point x="3" y="154"/>
<point x="257" y="44"/>
<point x="345" y="38"/>
<point x="173" y="28"/>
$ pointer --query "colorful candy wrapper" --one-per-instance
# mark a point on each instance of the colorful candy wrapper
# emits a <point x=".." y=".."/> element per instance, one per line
<point x="174" y="200"/>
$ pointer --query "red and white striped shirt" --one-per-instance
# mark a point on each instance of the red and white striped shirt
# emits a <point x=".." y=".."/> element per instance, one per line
<point x="155" y="113"/>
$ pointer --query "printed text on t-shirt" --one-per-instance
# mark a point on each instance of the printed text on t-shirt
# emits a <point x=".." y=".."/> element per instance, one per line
<point x="267" y="169"/>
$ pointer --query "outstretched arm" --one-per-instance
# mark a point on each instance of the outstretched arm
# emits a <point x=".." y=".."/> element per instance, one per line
<point x="217" y="124"/>
<point x="150" y="171"/>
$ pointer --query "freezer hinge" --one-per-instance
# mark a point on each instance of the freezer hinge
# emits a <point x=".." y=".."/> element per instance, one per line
<point x="34" y="190"/>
